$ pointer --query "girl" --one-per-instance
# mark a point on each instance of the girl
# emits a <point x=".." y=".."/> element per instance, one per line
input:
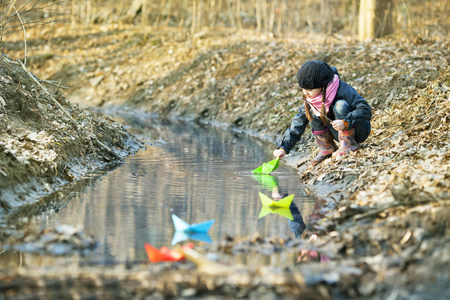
<point x="335" y="109"/>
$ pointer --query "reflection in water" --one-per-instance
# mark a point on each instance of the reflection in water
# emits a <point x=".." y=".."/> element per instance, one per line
<point x="282" y="211"/>
<point x="194" y="172"/>
<point x="311" y="232"/>
<point x="196" y="231"/>
<point x="181" y="236"/>
<point x="296" y="224"/>
<point x="267" y="182"/>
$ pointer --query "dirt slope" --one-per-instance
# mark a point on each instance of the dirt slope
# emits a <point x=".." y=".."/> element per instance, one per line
<point x="47" y="143"/>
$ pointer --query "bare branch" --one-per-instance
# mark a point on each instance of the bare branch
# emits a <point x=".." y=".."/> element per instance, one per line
<point x="24" y="35"/>
<point x="17" y="11"/>
<point x="38" y="23"/>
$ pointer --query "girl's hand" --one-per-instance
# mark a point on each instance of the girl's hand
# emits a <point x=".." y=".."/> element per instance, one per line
<point x="338" y="125"/>
<point x="276" y="195"/>
<point x="279" y="153"/>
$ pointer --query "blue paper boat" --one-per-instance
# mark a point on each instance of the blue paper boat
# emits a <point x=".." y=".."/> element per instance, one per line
<point x="182" y="226"/>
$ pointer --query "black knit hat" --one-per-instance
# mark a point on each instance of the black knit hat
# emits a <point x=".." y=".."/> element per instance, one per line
<point x="314" y="74"/>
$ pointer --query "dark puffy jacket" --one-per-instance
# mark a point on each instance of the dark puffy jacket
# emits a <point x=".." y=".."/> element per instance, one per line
<point x="361" y="111"/>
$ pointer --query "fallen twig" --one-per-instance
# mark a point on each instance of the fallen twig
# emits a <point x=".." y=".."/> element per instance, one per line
<point x="374" y="212"/>
<point x="57" y="84"/>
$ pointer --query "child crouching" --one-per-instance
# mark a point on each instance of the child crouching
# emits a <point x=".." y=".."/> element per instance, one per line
<point x="335" y="110"/>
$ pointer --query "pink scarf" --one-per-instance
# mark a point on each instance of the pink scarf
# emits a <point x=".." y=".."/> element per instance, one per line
<point x="332" y="88"/>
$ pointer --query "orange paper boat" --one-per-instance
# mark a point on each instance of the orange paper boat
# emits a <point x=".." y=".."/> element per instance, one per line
<point x="165" y="254"/>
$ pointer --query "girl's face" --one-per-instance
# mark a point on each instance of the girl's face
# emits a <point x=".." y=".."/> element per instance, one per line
<point x="312" y="93"/>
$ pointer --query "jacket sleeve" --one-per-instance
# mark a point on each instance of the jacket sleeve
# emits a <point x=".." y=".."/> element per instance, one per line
<point x="361" y="109"/>
<point x="293" y="134"/>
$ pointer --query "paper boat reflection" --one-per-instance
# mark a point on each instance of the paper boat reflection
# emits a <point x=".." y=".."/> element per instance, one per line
<point x="280" y="207"/>
<point x="282" y="211"/>
<point x="181" y="225"/>
<point x="285" y="202"/>
<point x="165" y="254"/>
<point x="184" y="231"/>
<point x="181" y="236"/>
<point x="267" y="181"/>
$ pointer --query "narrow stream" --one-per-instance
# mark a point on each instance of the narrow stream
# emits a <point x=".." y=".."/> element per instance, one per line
<point x="195" y="172"/>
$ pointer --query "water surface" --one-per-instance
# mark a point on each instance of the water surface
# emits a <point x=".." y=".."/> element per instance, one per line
<point x="193" y="171"/>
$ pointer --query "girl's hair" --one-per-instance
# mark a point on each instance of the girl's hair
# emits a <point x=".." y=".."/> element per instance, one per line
<point x="307" y="109"/>
<point x="323" y="111"/>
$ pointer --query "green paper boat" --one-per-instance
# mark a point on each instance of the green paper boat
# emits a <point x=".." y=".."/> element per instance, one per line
<point x="282" y="211"/>
<point x="267" y="182"/>
<point x="267" y="168"/>
<point x="285" y="202"/>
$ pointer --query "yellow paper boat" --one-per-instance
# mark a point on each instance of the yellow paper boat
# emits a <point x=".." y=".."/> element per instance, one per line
<point x="282" y="211"/>
<point x="285" y="202"/>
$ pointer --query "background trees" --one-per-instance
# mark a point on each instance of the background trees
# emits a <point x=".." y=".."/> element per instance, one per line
<point x="277" y="17"/>
<point x="375" y="18"/>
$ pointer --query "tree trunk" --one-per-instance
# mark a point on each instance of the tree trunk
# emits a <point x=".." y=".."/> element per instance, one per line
<point x="212" y="12"/>
<point x="258" y="15"/>
<point x="73" y="17"/>
<point x="230" y="13"/>
<point x="194" y="16"/>
<point x="272" y="15"/>
<point x="169" y="15"/>
<point x="265" y="16"/>
<point x="133" y="10"/>
<point x="238" y="14"/>
<point x="375" y="19"/>
<point x="354" y="18"/>
<point x="281" y="15"/>
<point x="327" y="17"/>
<point x="159" y="14"/>
<point x="144" y="13"/>
<point x="199" y="14"/>
<point x="310" y="13"/>
<point x="297" y="15"/>
<point x="88" y="12"/>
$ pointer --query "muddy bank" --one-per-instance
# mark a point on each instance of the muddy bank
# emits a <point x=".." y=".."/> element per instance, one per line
<point x="47" y="143"/>
<point x="383" y="214"/>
